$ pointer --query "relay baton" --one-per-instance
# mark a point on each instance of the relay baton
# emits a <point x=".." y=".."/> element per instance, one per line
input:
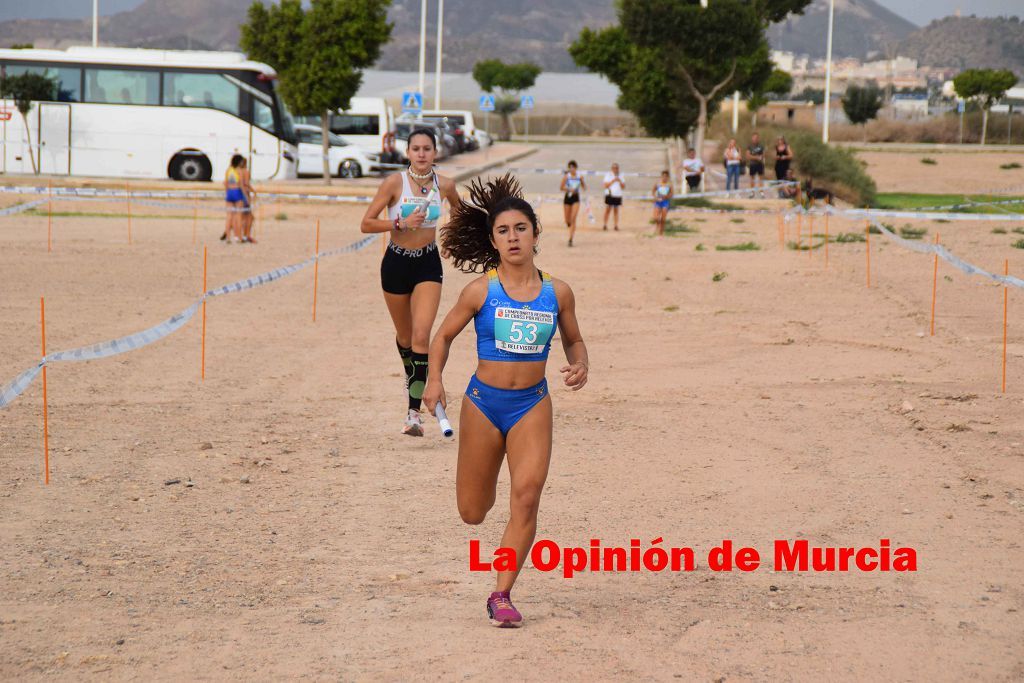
<point x="442" y="418"/>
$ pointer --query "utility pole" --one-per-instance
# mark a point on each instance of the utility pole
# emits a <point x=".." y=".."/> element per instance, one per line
<point x="95" y="23"/>
<point x="440" y="37"/>
<point x="828" y="69"/>
<point x="423" y="42"/>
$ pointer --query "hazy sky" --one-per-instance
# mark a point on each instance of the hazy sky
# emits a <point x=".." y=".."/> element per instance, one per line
<point x="917" y="11"/>
<point x="923" y="12"/>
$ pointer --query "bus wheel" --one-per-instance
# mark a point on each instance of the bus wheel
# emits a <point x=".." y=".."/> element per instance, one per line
<point x="350" y="168"/>
<point x="190" y="166"/>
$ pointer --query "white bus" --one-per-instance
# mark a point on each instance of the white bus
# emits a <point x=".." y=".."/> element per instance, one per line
<point x="135" y="113"/>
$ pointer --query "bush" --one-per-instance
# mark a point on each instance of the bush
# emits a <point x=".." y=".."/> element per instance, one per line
<point x="928" y="161"/>
<point x="1019" y="244"/>
<point x="833" y="168"/>
<point x="743" y="246"/>
<point x="1010" y="166"/>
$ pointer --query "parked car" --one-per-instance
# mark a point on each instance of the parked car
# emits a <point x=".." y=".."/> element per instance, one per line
<point x="463" y="119"/>
<point x="403" y="128"/>
<point x="346" y="160"/>
<point x="451" y="128"/>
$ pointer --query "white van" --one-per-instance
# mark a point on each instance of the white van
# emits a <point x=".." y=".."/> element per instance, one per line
<point x="364" y="123"/>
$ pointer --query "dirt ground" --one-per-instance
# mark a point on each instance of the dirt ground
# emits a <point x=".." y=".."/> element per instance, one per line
<point x="270" y="522"/>
<point x="953" y="172"/>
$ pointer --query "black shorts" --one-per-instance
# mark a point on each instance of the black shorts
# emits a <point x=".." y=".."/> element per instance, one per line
<point x="402" y="269"/>
<point x="756" y="168"/>
<point x="571" y="198"/>
<point x="693" y="181"/>
<point x="612" y="201"/>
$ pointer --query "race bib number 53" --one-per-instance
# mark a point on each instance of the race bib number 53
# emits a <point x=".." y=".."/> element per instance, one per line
<point x="522" y="331"/>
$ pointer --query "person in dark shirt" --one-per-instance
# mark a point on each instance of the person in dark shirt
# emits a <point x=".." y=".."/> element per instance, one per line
<point x="755" y="163"/>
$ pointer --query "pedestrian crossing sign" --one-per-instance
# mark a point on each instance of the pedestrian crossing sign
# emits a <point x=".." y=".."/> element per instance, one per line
<point x="412" y="102"/>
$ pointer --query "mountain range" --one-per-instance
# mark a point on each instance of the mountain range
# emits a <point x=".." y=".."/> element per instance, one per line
<point x="517" y="30"/>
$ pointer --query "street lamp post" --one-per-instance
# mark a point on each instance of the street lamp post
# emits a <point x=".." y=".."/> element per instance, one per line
<point x="828" y="69"/>
<point x="440" y="37"/>
<point x="95" y="23"/>
<point x="423" y="42"/>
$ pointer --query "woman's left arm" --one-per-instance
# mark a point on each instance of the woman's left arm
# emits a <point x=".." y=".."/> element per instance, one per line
<point x="578" y="368"/>
<point x="450" y="192"/>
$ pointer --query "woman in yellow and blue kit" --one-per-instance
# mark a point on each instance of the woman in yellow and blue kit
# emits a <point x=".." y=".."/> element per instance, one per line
<point x="515" y="308"/>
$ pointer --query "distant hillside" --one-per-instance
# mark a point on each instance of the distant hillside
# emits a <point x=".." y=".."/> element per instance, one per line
<point x="862" y="28"/>
<point x="514" y="30"/>
<point x="969" y="42"/>
<point x="474" y="29"/>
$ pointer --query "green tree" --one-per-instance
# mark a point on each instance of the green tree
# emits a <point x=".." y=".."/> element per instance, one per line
<point x="25" y="89"/>
<point x="778" y="83"/>
<point x="861" y="103"/>
<point x="674" y="60"/>
<point x="319" y="53"/>
<point x="510" y="80"/>
<point x="987" y="86"/>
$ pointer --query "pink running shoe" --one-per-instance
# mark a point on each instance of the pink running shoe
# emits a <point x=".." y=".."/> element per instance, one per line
<point x="502" y="612"/>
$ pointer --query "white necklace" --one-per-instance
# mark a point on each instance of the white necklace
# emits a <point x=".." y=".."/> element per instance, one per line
<point x="421" y="176"/>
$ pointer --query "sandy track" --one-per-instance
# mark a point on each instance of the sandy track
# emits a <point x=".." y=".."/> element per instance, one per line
<point x="766" y="405"/>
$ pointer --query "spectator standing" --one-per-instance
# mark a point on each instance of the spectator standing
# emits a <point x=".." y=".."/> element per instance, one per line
<point x="755" y="164"/>
<point x="693" y="169"/>
<point x="783" y="158"/>
<point x="613" y="188"/>
<point x="733" y="158"/>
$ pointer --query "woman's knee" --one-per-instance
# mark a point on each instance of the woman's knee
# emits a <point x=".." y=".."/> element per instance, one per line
<point x="474" y="513"/>
<point x="525" y="499"/>
<point x="420" y="338"/>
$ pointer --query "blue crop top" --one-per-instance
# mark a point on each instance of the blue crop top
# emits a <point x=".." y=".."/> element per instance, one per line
<point x="510" y="330"/>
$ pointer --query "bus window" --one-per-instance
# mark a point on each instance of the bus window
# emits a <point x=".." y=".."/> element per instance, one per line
<point x="212" y="91"/>
<point x="262" y="115"/>
<point x="355" y="124"/>
<point x="122" y="86"/>
<point x="67" y="79"/>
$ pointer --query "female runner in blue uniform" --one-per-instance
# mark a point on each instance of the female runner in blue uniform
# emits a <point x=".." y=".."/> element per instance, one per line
<point x="410" y="272"/>
<point x="662" y="193"/>
<point x="515" y="308"/>
<point x="572" y="183"/>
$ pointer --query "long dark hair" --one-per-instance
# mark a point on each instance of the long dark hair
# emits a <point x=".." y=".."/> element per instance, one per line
<point x="467" y="237"/>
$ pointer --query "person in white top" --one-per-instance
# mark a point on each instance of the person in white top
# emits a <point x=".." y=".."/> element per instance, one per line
<point x="733" y="159"/>
<point x="411" y="270"/>
<point x="613" y="187"/>
<point x="693" y="169"/>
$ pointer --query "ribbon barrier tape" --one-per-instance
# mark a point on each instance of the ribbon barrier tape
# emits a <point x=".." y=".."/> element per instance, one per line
<point x="146" y="337"/>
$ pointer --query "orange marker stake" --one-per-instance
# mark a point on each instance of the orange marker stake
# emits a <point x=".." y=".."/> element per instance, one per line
<point x="867" y="239"/>
<point x="202" y="352"/>
<point x="935" y="283"/>
<point x="195" y="217"/>
<point x="128" y="193"/>
<point x="46" y="419"/>
<point x="1006" y="271"/>
<point x="316" y="266"/>
<point x="799" y="230"/>
<point x="49" y="216"/>
<point x="826" y="240"/>
<point x="810" y="236"/>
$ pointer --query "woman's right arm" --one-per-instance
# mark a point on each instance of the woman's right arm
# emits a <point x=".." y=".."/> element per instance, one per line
<point x="462" y="312"/>
<point x="371" y="221"/>
<point x="563" y="187"/>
